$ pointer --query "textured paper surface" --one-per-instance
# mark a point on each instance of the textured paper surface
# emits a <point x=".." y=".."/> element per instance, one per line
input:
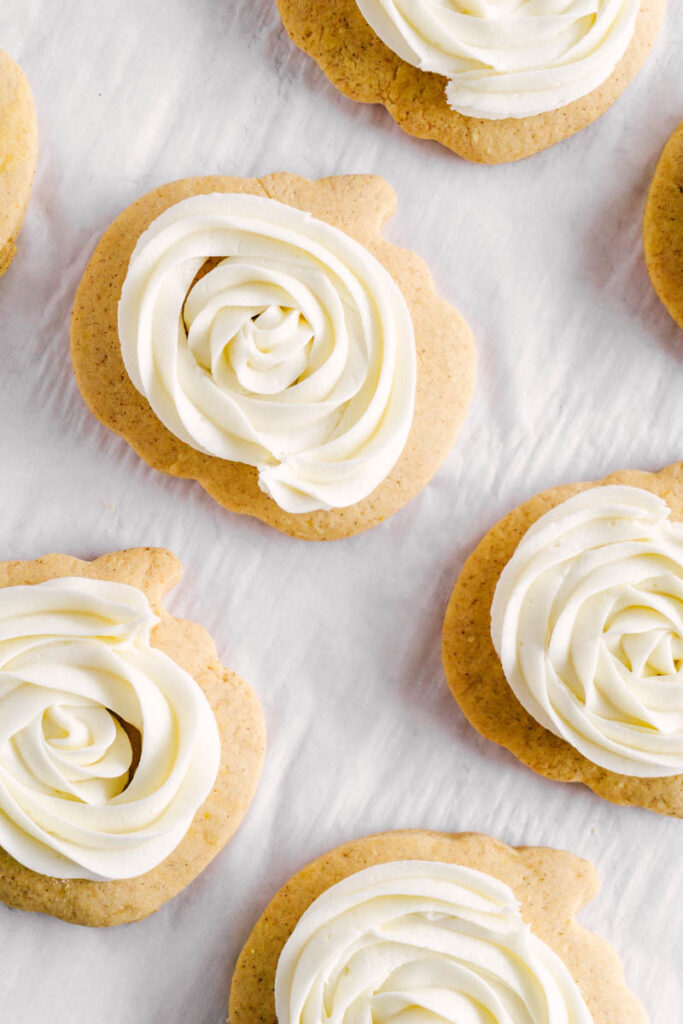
<point x="580" y="373"/>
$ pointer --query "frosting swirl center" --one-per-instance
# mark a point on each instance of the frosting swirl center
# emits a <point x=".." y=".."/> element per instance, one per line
<point x="80" y="749"/>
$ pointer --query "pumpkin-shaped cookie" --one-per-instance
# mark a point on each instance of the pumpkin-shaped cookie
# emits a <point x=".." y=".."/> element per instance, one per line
<point x="429" y="926"/>
<point x="129" y="753"/>
<point x="261" y="337"/>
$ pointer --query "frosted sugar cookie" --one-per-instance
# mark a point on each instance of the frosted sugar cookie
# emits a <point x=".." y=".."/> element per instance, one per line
<point x="563" y="639"/>
<point x="18" y="154"/>
<point x="663" y="227"/>
<point x="129" y="754"/>
<point x="492" y="81"/>
<point x="425" y="926"/>
<point x="261" y="337"/>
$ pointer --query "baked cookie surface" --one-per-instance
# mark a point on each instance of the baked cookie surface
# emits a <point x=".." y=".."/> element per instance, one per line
<point x="550" y="885"/>
<point x="475" y="674"/>
<point x="358" y="205"/>
<point x="357" y="62"/>
<point x="239" y="720"/>
<point x="18" y="154"/>
<point x="663" y="227"/>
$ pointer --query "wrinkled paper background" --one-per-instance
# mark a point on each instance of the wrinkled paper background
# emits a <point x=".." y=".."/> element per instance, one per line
<point x="579" y="374"/>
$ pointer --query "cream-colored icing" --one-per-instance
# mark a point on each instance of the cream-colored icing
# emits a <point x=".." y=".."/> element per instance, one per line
<point x="295" y="353"/>
<point x="76" y="662"/>
<point x="508" y="58"/>
<point x="421" y="942"/>
<point x="587" y="620"/>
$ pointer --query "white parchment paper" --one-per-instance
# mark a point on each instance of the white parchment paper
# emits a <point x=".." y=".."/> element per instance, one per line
<point x="579" y="374"/>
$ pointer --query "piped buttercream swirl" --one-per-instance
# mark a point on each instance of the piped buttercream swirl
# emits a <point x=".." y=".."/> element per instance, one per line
<point x="587" y="620"/>
<point x="508" y="58"/>
<point x="293" y="353"/>
<point x="421" y="942"/>
<point x="78" y="679"/>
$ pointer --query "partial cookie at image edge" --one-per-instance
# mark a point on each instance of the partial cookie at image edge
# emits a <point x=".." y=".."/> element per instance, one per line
<point x="663" y="227"/>
<point x="18" y="154"/>
<point x="336" y="35"/>
<point x="475" y="675"/>
<point x="240" y="721"/>
<point x="550" y="884"/>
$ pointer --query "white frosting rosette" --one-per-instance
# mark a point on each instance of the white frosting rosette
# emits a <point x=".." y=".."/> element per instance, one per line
<point x="295" y="353"/>
<point x="76" y="663"/>
<point x="421" y="942"/>
<point x="508" y="58"/>
<point x="587" y="620"/>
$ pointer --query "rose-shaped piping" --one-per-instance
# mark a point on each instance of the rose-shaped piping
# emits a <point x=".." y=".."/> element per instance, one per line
<point x="421" y="942"/>
<point x="295" y="353"/>
<point x="587" y="620"/>
<point x="508" y="58"/>
<point x="76" y="665"/>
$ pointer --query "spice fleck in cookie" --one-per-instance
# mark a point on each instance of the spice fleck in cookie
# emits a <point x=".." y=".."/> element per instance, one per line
<point x="663" y="227"/>
<point x="18" y="154"/>
<point x="261" y="337"/>
<point x="563" y="639"/>
<point x="493" y="82"/>
<point x="424" y="926"/>
<point x="129" y="754"/>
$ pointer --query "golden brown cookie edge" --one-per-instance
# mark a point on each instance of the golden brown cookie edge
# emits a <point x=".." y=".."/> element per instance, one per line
<point x="18" y="123"/>
<point x="663" y="227"/>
